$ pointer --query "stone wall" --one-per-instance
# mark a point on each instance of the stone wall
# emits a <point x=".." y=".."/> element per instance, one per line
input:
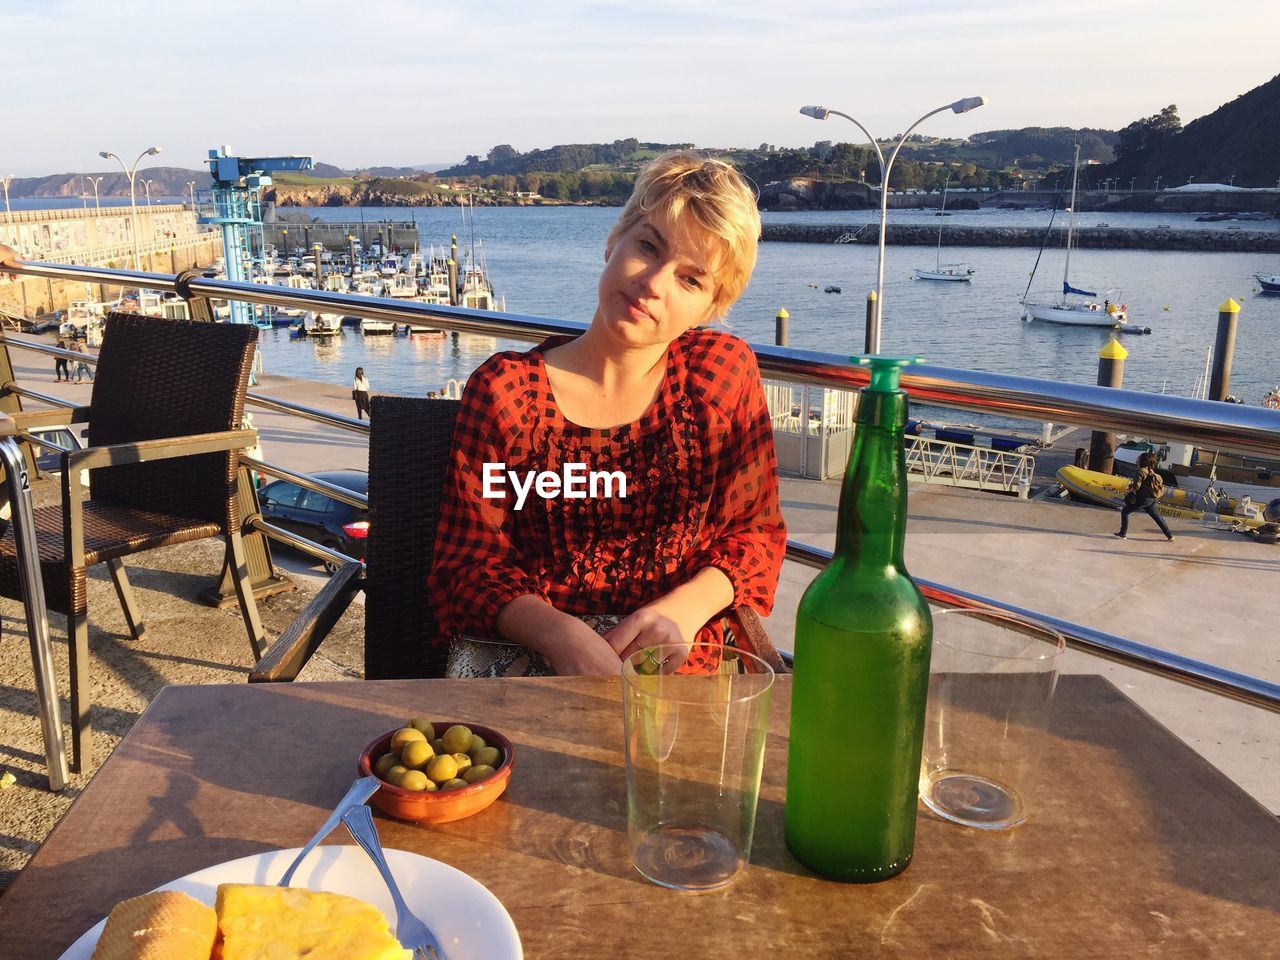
<point x="169" y="238"/>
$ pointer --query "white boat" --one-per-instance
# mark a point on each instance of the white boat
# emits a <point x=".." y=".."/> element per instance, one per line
<point x="1075" y="308"/>
<point x="322" y="324"/>
<point x="1270" y="283"/>
<point x="947" y="272"/>
<point x="401" y="285"/>
<point x="389" y="266"/>
<point x="954" y="272"/>
<point x="335" y="283"/>
<point x="414" y="264"/>
<point x="368" y="326"/>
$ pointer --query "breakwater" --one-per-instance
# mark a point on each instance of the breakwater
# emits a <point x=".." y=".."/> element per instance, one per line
<point x="1103" y="238"/>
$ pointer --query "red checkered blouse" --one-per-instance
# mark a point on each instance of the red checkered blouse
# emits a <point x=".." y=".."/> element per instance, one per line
<point x="701" y="490"/>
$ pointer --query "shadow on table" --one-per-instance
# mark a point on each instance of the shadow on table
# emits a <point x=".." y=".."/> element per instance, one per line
<point x="1155" y="799"/>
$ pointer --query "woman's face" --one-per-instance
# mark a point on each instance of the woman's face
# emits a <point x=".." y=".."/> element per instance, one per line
<point x="658" y="282"/>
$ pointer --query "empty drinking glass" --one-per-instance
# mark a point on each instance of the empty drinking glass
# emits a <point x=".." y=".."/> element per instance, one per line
<point x="990" y="685"/>
<point x="694" y="752"/>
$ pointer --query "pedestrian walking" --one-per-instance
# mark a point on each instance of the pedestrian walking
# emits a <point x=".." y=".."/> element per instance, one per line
<point x="360" y="393"/>
<point x="82" y="367"/>
<point x="1142" y="494"/>
<point x="60" y="369"/>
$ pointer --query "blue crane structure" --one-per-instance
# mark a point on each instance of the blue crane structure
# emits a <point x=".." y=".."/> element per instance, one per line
<point x="237" y="209"/>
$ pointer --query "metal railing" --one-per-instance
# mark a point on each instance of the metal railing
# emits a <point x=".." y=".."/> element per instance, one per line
<point x="965" y="465"/>
<point x="1231" y="426"/>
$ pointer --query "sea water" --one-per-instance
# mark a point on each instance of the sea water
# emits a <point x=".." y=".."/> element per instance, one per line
<point x="546" y="261"/>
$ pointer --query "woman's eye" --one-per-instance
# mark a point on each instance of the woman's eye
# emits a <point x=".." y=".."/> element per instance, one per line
<point x="693" y="283"/>
<point x="647" y="246"/>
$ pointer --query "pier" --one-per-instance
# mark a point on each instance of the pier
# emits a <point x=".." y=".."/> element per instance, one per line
<point x="1100" y="238"/>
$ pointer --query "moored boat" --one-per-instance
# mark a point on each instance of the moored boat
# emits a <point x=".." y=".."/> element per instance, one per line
<point x="1108" y="491"/>
<point x="1067" y="311"/>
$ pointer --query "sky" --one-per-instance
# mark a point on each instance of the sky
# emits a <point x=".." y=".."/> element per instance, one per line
<point x="411" y="82"/>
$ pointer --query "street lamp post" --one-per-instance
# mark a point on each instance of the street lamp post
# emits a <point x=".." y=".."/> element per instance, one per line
<point x="1132" y="181"/>
<point x="147" y="185"/>
<point x="97" y="206"/>
<point x="6" y="181"/>
<point x="191" y="188"/>
<point x="872" y="342"/>
<point x="131" y="173"/>
<point x="1231" y="182"/>
<point x="1158" y="179"/>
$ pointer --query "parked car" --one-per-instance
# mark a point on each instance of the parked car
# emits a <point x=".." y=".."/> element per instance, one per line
<point x="317" y="516"/>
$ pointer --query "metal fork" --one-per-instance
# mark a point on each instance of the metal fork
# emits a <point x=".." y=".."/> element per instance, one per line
<point x="412" y="933"/>
<point x="360" y="791"/>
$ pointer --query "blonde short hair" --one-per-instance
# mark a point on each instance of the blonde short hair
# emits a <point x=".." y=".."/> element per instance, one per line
<point x="719" y="205"/>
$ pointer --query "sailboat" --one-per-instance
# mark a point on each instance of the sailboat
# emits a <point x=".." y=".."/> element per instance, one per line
<point x="1074" y="312"/>
<point x="953" y="272"/>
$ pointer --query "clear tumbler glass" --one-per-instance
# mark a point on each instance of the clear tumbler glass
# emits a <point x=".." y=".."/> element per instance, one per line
<point x="694" y="752"/>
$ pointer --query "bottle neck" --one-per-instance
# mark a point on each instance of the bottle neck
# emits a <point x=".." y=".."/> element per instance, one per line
<point x="873" y="500"/>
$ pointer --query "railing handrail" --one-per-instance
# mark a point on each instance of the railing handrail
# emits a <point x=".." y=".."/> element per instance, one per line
<point x="1221" y="424"/>
<point x="1202" y="422"/>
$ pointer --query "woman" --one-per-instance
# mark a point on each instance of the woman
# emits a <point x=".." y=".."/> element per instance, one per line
<point x="629" y="470"/>
<point x="1144" y="491"/>
<point x="360" y="394"/>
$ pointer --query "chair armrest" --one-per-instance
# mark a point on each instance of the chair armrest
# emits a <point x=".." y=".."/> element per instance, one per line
<point x="147" y="450"/>
<point x="751" y="636"/>
<point x="62" y="416"/>
<point x="286" y="657"/>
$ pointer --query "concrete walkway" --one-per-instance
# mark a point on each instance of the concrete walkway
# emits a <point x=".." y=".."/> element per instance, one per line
<point x="1208" y="595"/>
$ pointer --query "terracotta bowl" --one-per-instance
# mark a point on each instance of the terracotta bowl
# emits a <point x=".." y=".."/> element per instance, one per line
<point x="440" y="806"/>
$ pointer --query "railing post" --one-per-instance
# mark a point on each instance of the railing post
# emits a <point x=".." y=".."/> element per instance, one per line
<point x="262" y="575"/>
<point x="12" y="403"/>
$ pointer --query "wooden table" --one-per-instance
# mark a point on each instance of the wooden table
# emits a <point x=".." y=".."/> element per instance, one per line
<point x="1138" y="847"/>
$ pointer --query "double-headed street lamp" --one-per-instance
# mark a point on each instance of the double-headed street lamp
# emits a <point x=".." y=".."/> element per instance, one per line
<point x="191" y="189"/>
<point x="95" y="181"/>
<point x="131" y="173"/>
<point x="6" y="181"/>
<point x="872" y="343"/>
<point x="147" y="186"/>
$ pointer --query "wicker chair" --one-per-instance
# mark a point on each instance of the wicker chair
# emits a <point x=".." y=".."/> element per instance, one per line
<point x="163" y="433"/>
<point x="409" y="441"/>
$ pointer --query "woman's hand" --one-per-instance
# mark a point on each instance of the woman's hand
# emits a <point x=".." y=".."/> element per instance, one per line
<point x="648" y="627"/>
<point x="675" y="618"/>
<point x="573" y="648"/>
<point x="583" y="653"/>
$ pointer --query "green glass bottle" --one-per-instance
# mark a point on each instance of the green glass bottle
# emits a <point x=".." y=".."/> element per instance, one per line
<point x="863" y="638"/>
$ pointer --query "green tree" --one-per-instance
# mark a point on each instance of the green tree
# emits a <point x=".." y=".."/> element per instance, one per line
<point x="1149" y="131"/>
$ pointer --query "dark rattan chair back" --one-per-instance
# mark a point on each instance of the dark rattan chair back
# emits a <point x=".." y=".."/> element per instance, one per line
<point x="409" y="443"/>
<point x="158" y="379"/>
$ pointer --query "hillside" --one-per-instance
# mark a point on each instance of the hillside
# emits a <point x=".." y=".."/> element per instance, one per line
<point x="1240" y="139"/>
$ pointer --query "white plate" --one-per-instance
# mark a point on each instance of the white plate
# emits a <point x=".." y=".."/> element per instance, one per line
<point x="470" y="922"/>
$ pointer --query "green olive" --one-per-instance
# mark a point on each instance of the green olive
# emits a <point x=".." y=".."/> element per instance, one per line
<point x="487" y="756"/>
<point x="423" y="726"/>
<point x="462" y="760"/>
<point x="403" y="736"/>
<point x="442" y="768"/>
<point x="477" y="772"/>
<point x="385" y="763"/>
<point x="477" y="743"/>
<point x="437" y="744"/>
<point x="395" y="773"/>
<point x="413" y="780"/>
<point x="454" y="784"/>
<point x="416" y="754"/>
<point x="457" y="739"/>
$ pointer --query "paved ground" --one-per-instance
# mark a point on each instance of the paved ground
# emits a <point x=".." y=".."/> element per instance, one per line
<point x="1207" y="595"/>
